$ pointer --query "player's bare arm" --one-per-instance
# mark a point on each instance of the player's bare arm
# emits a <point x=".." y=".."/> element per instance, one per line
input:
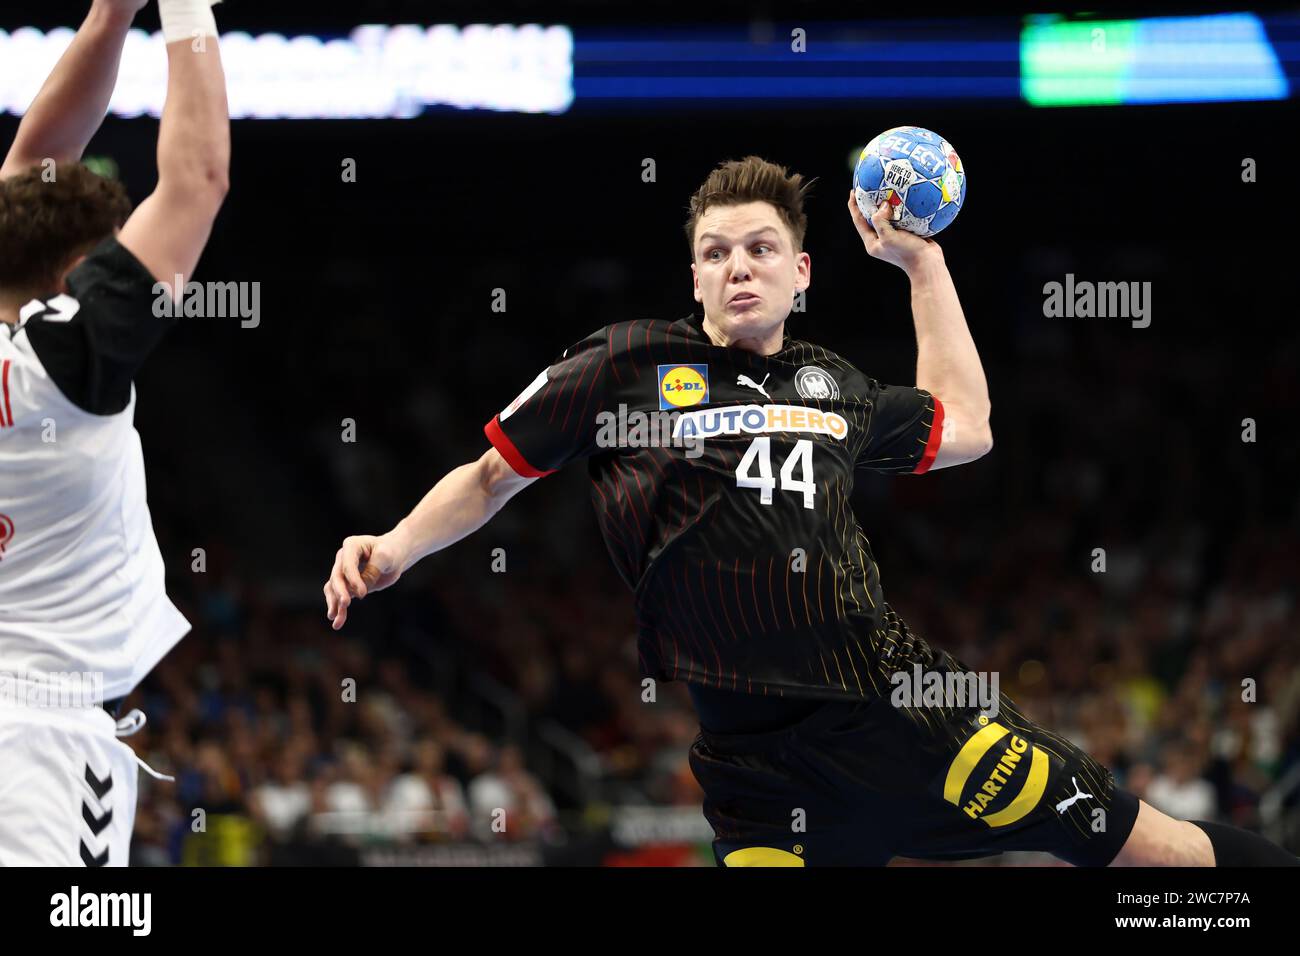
<point x="457" y="506"/>
<point x="947" y="363"/>
<point x="72" y="103"/>
<point x="170" y="228"/>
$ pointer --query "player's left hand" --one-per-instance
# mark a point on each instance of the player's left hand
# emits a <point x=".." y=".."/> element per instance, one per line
<point x="883" y="241"/>
<point x="364" y="564"/>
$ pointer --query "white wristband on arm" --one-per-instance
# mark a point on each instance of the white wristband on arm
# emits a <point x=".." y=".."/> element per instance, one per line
<point x="186" y="19"/>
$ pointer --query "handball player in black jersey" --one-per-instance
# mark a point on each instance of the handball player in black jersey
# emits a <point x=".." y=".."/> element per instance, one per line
<point x="722" y="455"/>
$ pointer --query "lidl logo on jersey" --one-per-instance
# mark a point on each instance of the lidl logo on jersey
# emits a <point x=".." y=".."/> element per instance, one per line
<point x="681" y="386"/>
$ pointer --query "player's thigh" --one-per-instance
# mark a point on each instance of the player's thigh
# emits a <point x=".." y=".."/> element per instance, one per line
<point x="67" y="798"/>
<point x="986" y="781"/>
<point x="775" y="799"/>
<point x="37" y="800"/>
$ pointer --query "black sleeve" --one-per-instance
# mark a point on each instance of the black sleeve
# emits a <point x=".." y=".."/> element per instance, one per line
<point x="93" y="340"/>
<point x="554" y="420"/>
<point x="904" y="432"/>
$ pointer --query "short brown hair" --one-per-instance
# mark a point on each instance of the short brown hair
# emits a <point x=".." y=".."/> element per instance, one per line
<point x="45" y="225"/>
<point x="753" y="179"/>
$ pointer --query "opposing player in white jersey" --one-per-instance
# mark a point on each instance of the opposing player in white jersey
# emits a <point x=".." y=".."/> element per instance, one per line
<point x="83" y="610"/>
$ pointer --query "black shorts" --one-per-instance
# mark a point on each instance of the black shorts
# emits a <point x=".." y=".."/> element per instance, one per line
<point x="856" y="783"/>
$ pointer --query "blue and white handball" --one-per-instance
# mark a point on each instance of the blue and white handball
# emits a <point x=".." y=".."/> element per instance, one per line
<point x="915" y="171"/>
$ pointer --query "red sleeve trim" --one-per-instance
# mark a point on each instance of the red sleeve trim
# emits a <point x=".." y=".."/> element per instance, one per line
<point x="936" y="435"/>
<point x="502" y="443"/>
<point x="7" y="412"/>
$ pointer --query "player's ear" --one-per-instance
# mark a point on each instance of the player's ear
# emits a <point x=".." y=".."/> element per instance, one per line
<point x="802" y="271"/>
<point x="695" y="279"/>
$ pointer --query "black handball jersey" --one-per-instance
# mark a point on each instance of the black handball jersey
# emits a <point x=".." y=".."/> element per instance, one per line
<point x="721" y="481"/>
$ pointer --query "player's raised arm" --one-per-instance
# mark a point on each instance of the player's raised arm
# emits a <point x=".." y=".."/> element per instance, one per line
<point x="72" y="103"/>
<point x="947" y="363"/>
<point x="170" y="228"/>
<point x="462" y="502"/>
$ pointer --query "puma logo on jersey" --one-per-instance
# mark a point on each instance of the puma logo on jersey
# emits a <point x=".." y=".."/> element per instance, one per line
<point x="1070" y="801"/>
<point x="750" y="383"/>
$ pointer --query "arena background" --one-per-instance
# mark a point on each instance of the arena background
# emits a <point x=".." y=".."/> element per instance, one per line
<point x="520" y="689"/>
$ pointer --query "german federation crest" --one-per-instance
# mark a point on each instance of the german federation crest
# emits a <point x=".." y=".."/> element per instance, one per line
<point x="814" y="383"/>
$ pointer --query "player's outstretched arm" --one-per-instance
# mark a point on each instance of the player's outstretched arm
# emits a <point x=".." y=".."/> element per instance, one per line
<point x="947" y="363"/>
<point x="169" y="230"/>
<point x="457" y="506"/>
<point x="72" y="103"/>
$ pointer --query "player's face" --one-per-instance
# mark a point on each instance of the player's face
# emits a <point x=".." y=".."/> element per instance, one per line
<point x="746" y="271"/>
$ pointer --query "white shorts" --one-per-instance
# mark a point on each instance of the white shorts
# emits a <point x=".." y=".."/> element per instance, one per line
<point x="67" y="788"/>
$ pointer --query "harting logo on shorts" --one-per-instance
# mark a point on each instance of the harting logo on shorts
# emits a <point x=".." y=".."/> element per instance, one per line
<point x="103" y="909"/>
<point x="1015" y="780"/>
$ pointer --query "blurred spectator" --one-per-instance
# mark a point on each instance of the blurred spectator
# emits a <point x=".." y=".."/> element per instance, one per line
<point x="507" y="799"/>
<point x="1180" y="790"/>
<point x="428" y="799"/>
<point x="284" y="801"/>
<point x="352" y="788"/>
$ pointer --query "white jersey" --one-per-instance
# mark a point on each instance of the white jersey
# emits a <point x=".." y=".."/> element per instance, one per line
<point x="81" y="576"/>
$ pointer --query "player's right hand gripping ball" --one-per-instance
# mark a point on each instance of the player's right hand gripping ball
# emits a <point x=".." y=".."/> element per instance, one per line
<point x="917" y="172"/>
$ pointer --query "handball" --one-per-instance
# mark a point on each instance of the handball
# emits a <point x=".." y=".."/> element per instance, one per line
<point x="917" y="172"/>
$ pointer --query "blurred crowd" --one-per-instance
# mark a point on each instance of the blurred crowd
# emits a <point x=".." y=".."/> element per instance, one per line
<point x="281" y="735"/>
<point x="1188" y="690"/>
